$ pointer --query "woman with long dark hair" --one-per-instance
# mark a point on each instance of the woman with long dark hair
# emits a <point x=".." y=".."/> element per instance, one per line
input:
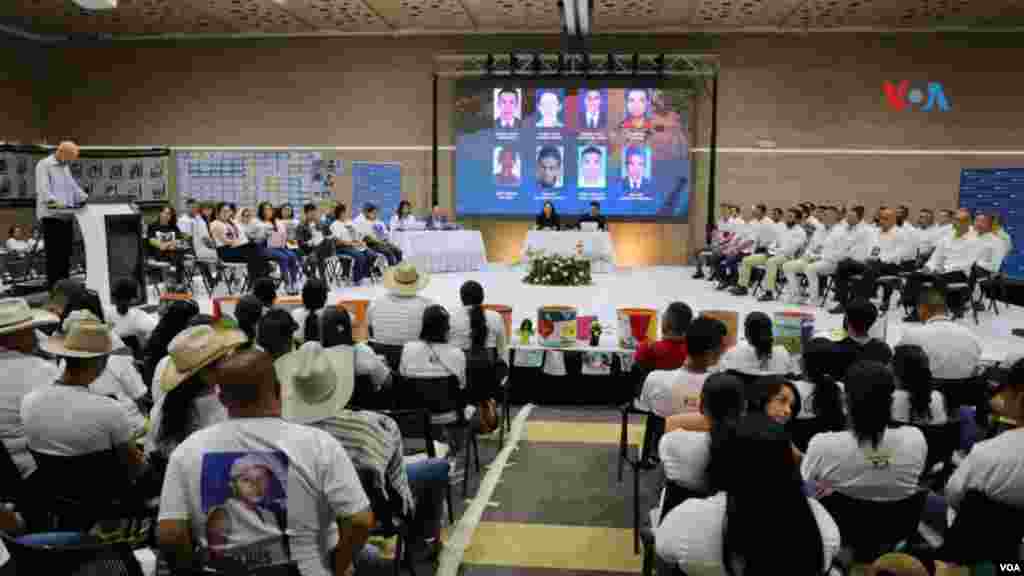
<point x="260" y="230"/>
<point x="233" y="247"/>
<point x="915" y="401"/>
<point x="175" y="319"/>
<point x="432" y="356"/>
<point x="821" y="396"/>
<point x="335" y="329"/>
<point x="726" y="534"/>
<point x="248" y="312"/>
<point x="548" y="218"/>
<point x="477" y="331"/>
<point x="758" y="355"/>
<point x="870" y="460"/>
<point x="314" y="298"/>
<point x="403" y="217"/>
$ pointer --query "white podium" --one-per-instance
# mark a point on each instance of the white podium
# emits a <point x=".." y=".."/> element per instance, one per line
<point x="114" y="248"/>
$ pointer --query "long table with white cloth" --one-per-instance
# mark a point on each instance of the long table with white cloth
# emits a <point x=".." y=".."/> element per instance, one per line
<point x="442" y="250"/>
<point x="597" y="246"/>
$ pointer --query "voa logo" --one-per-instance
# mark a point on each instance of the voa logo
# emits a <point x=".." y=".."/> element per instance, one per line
<point x="1010" y="568"/>
<point x="903" y="95"/>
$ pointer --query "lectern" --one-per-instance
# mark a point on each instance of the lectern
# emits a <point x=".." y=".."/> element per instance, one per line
<point x="114" y="246"/>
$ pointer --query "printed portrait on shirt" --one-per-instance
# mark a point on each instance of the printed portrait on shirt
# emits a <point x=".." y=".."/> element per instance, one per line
<point x="244" y="501"/>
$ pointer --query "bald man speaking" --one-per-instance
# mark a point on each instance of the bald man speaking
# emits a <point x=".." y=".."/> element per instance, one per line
<point x="57" y="189"/>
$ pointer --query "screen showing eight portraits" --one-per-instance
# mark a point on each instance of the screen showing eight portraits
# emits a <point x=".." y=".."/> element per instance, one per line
<point x="623" y="147"/>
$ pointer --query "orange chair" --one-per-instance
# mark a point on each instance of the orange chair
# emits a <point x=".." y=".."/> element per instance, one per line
<point x="506" y="315"/>
<point x="357" y="309"/>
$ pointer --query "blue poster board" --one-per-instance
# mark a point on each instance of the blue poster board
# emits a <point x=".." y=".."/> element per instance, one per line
<point x="380" y="184"/>
<point x="998" y="191"/>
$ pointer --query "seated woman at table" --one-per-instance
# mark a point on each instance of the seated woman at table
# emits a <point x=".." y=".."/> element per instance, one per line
<point x="548" y="218"/>
<point x="403" y="218"/>
<point x="595" y="217"/>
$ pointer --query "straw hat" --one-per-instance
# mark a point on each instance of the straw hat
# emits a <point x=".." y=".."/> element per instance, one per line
<point x="316" y="382"/>
<point x="405" y="279"/>
<point x="194" y="349"/>
<point x="15" y="315"/>
<point x="897" y="563"/>
<point x="84" y="336"/>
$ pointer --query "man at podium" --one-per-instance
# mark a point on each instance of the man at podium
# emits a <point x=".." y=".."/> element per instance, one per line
<point x="56" y="189"/>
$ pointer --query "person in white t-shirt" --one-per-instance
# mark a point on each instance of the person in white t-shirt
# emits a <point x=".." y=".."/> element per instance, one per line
<point x="671" y="392"/>
<point x="403" y="218"/>
<point x="995" y="467"/>
<point x="129" y="320"/>
<point x="396" y="317"/>
<point x="335" y="329"/>
<point x="375" y="234"/>
<point x="760" y="482"/>
<point x="258" y="491"/>
<point x="916" y="401"/>
<point x="490" y="333"/>
<point x="348" y="242"/>
<point x="20" y="242"/>
<point x="432" y="356"/>
<point x="758" y="355"/>
<point x="870" y="461"/>
<point x="820" y="394"/>
<point x="954" y="351"/>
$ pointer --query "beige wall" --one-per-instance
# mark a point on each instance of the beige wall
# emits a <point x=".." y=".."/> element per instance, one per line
<point x="820" y="91"/>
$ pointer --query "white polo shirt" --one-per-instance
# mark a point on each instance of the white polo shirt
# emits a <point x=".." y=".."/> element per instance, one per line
<point x="888" y="472"/>
<point x="397" y="319"/>
<point x="994" y="467"/>
<point x="953" y="350"/>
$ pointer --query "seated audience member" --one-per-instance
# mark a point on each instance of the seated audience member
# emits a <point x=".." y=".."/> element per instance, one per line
<point x="668" y="392"/>
<point x="276" y="331"/>
<point x="954" y="352"/>
<point x="175" y="319"/>
<point x="895" y="252"/>
<point x="23" y="372"/>
<point x="396" y="317"/>
<point x="739" y="245"/>
<point x="248" y="313"/>
<point x="860" y="317"/>
<point x="758" y="355"/>
<point x="595" y="217"/>
<point x="162" y="237"/>
<point x="231" y="247"/>
<point x="261" y="230"/>
<point x="821" y="396"/>
<point x="888" y="246"/>
<point x="374" y="234"/>
<point x="668" y="353"/>
<point x="20" y="242"/>
<point x="915" y="400"/>
<point x="188" y="400"/>
<point x="266" y="291"/>
<point x="403" y="218"/>
<point x="432" y="356"/>
<point x="128" y="319"/>
<point x="759" y="234"/>
<point x="823" y="242"/>
<point x="293" y="495"/>
<point x="720" y="236"/>
<point x="837" y="247"/>
<point x="952" y="261"/>
<point x="685" y="454"/>
<point x="994" y="467"/>
<point x="336" y="330"/>
<point x="870" y="461"/>
<point x="307" y="318"/>
<point x="775" y="397"/>
<point x="477" y="332"/>
<point x="725" y="534"/>
<point x="348" y="243"/>
<point x="316" y="393"/>
<point x="548" y="218"/>
<point x="788" y="243"/>
<point x="310" y="241"/>
<point x="65" y="418"/>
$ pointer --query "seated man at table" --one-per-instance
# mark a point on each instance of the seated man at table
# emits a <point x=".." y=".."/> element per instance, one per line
<point x="594" y="216"/>
<point x="668" y="353"/>
<point x="397" y="317"/>
<point x="669" y="392"/>
<point x="374" y="233"/>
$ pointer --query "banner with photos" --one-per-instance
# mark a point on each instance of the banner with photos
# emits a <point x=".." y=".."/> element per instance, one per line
<point x="18" y="174"/>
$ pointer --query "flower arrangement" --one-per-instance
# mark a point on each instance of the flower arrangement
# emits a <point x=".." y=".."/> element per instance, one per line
<point x="595" y="332"/>
<point x="557" y="270"/>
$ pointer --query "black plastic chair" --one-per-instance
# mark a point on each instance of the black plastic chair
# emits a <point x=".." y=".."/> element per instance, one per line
<point x="415" y="424"/>
<point x="392" y="353"/>
<point x="639" y="376"/>
<point x="803" y="429"/>
<point x="871" y="528"/>
<point x="645" y="460"/>
<point x="391" y="521"/>
<point x="983" y="530"/>
<point x="971" y="392"/>
<point x="92" y="559"/>
<point x="943" y="440"/>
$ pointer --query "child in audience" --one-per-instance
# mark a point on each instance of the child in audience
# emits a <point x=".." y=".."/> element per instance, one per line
<point x="915" y="401"/>
<point x="668" y="353"/>
<point x="870" y="461"/>
<point x="726" y="534"/>
<point x="129" y="320"/>
<point x="668" y="392"/>
<point x="758" y="356"/>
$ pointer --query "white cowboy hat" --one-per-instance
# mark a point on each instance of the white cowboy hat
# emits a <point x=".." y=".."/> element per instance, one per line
<point x="82" y="336"/>
<point x="405" y="279"/>
<point x="15" y="315"/>
<point x="316" y="383"/>
<point x="196" y="348"/>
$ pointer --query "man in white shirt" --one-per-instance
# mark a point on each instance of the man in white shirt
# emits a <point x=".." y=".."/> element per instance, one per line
<point x="951" y="262"/>
<point x="913" y="235"/>
<point x="953" y="350"/>
<point x="813" y="252"/>
<point x="257" y="491"/>
<point x="56" y="188"/>
<point x="193" y="212"/>
<point x="892" y="254"/>
<point x="926" y="232"/>
<point x="787" y="246"/>
<point x="397" y="317"/>
<point x="835" y="249"/>
<point x="759" y="233"/>
<point x="860" y="240"/>
<point x="374" y="233"/>
<point x="995" y="467"/>
<point x="724" y="230"/>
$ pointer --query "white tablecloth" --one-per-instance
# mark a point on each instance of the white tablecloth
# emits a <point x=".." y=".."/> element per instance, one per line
<point x="596" y="245"/>
<point x="442" y="251"/>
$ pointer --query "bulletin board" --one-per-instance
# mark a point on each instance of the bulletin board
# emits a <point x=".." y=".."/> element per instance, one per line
<point x="247" y="178"/>
<point x="998" y="191"/>
<point x="377" y="183"/>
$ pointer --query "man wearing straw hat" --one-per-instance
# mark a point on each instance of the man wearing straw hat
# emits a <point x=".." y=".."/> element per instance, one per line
<point x="22" y="372"/>
<point x="257" y="491"/>
<point x="67" y="419"/>
<point x="396" y="317"/>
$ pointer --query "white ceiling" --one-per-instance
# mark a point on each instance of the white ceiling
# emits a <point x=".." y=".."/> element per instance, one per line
<point x="246" y="17"/>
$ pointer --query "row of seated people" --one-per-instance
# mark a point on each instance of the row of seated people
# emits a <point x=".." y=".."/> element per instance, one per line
<point x="818" y="241"/>
<point x="549" y="219"/>
<point x="854" y="428"/>
<point x="184" y="387"/>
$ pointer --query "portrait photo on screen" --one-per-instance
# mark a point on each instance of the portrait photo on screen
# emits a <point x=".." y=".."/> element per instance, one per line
<point x="549" y="108"/>
<point x="593" y="109"/>
<point x="592" y="160"/>
<point x="507" y="166"/>
<point x="637" y="180"/>
<point x="508" y="108"/>
<point x="638" y="109"/>
<point x="550" y="166"/>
